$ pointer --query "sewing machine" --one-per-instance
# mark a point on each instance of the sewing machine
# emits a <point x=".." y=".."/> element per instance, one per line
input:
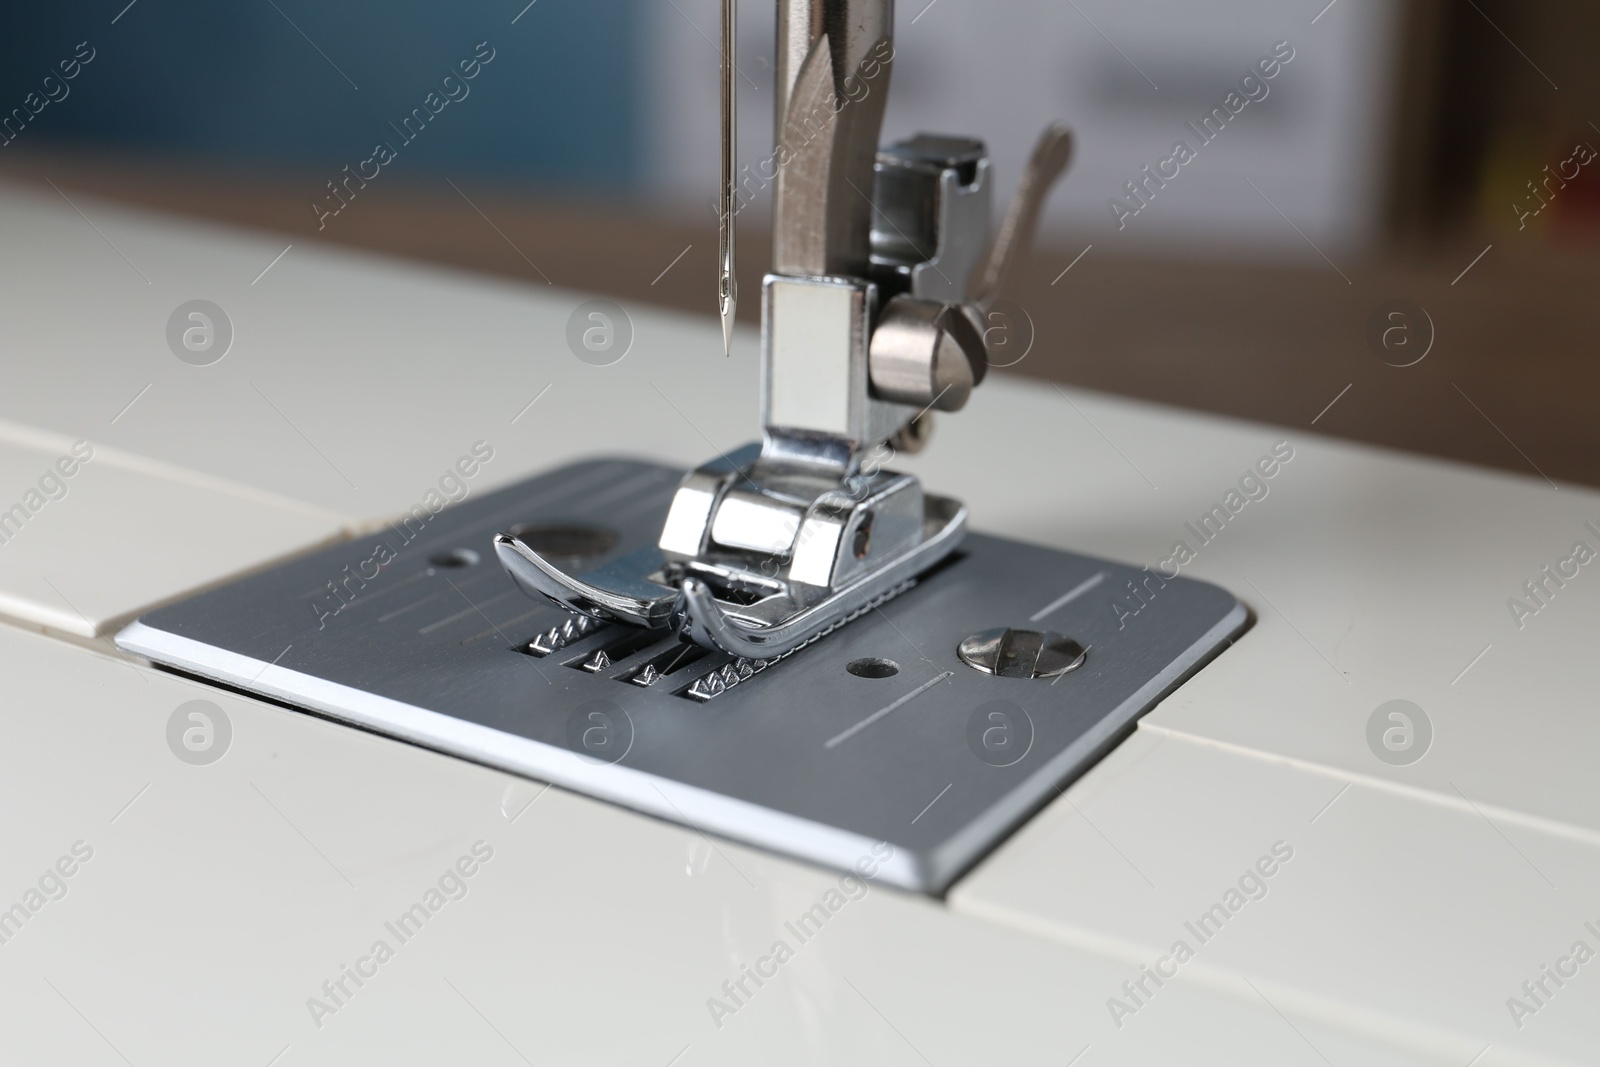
<point x="366" y="703"/>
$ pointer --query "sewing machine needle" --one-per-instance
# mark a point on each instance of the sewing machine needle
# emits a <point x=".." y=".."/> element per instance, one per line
<point x="727" y="285"/>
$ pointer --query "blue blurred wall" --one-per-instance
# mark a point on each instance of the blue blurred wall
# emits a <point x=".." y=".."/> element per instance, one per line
<point x="557" y="106"/>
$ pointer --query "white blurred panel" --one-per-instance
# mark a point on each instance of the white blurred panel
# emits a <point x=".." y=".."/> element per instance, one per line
<point x="1127" y="75"/>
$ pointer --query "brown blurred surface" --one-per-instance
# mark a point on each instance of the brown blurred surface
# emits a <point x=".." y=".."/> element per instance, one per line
<point x="1510" y="381"/>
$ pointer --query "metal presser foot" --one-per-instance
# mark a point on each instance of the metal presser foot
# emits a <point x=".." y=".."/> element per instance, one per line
<point x="782" y="646"/>
<point x="758" y="569"/>
<point x="872" y="318"/>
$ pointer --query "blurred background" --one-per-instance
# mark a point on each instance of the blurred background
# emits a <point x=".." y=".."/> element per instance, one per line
<point x="1428" y="159"/>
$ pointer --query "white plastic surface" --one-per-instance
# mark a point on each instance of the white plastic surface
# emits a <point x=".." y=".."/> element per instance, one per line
<point x="90" y="536"/>
<point x="218" y="899"/>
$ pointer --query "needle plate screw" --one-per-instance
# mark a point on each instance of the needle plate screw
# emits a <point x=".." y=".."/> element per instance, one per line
<point x="1012" y="653"/>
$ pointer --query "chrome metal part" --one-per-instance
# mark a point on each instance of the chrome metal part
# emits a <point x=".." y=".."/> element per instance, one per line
<point x="933" y="196"/>
<point x="724" y="678"/>
<point x="620" y="591"/>
<point x="1011" y="653"/>
<point x="833" y="65"/>
<point x="817" y="406"/>
<point x="776" y="570"/>
<point x="572" y="628"/>
<point x="773" y="561"/>
<point x="925" y="353"/>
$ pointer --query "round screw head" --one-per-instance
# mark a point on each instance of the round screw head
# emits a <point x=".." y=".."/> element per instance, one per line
<point x="1012" y="653"/>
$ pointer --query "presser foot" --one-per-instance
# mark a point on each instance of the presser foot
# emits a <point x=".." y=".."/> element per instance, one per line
<point x="755" y="609"/>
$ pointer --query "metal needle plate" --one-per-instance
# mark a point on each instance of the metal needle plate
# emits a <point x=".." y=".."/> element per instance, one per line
<point x="800" y="756"/>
